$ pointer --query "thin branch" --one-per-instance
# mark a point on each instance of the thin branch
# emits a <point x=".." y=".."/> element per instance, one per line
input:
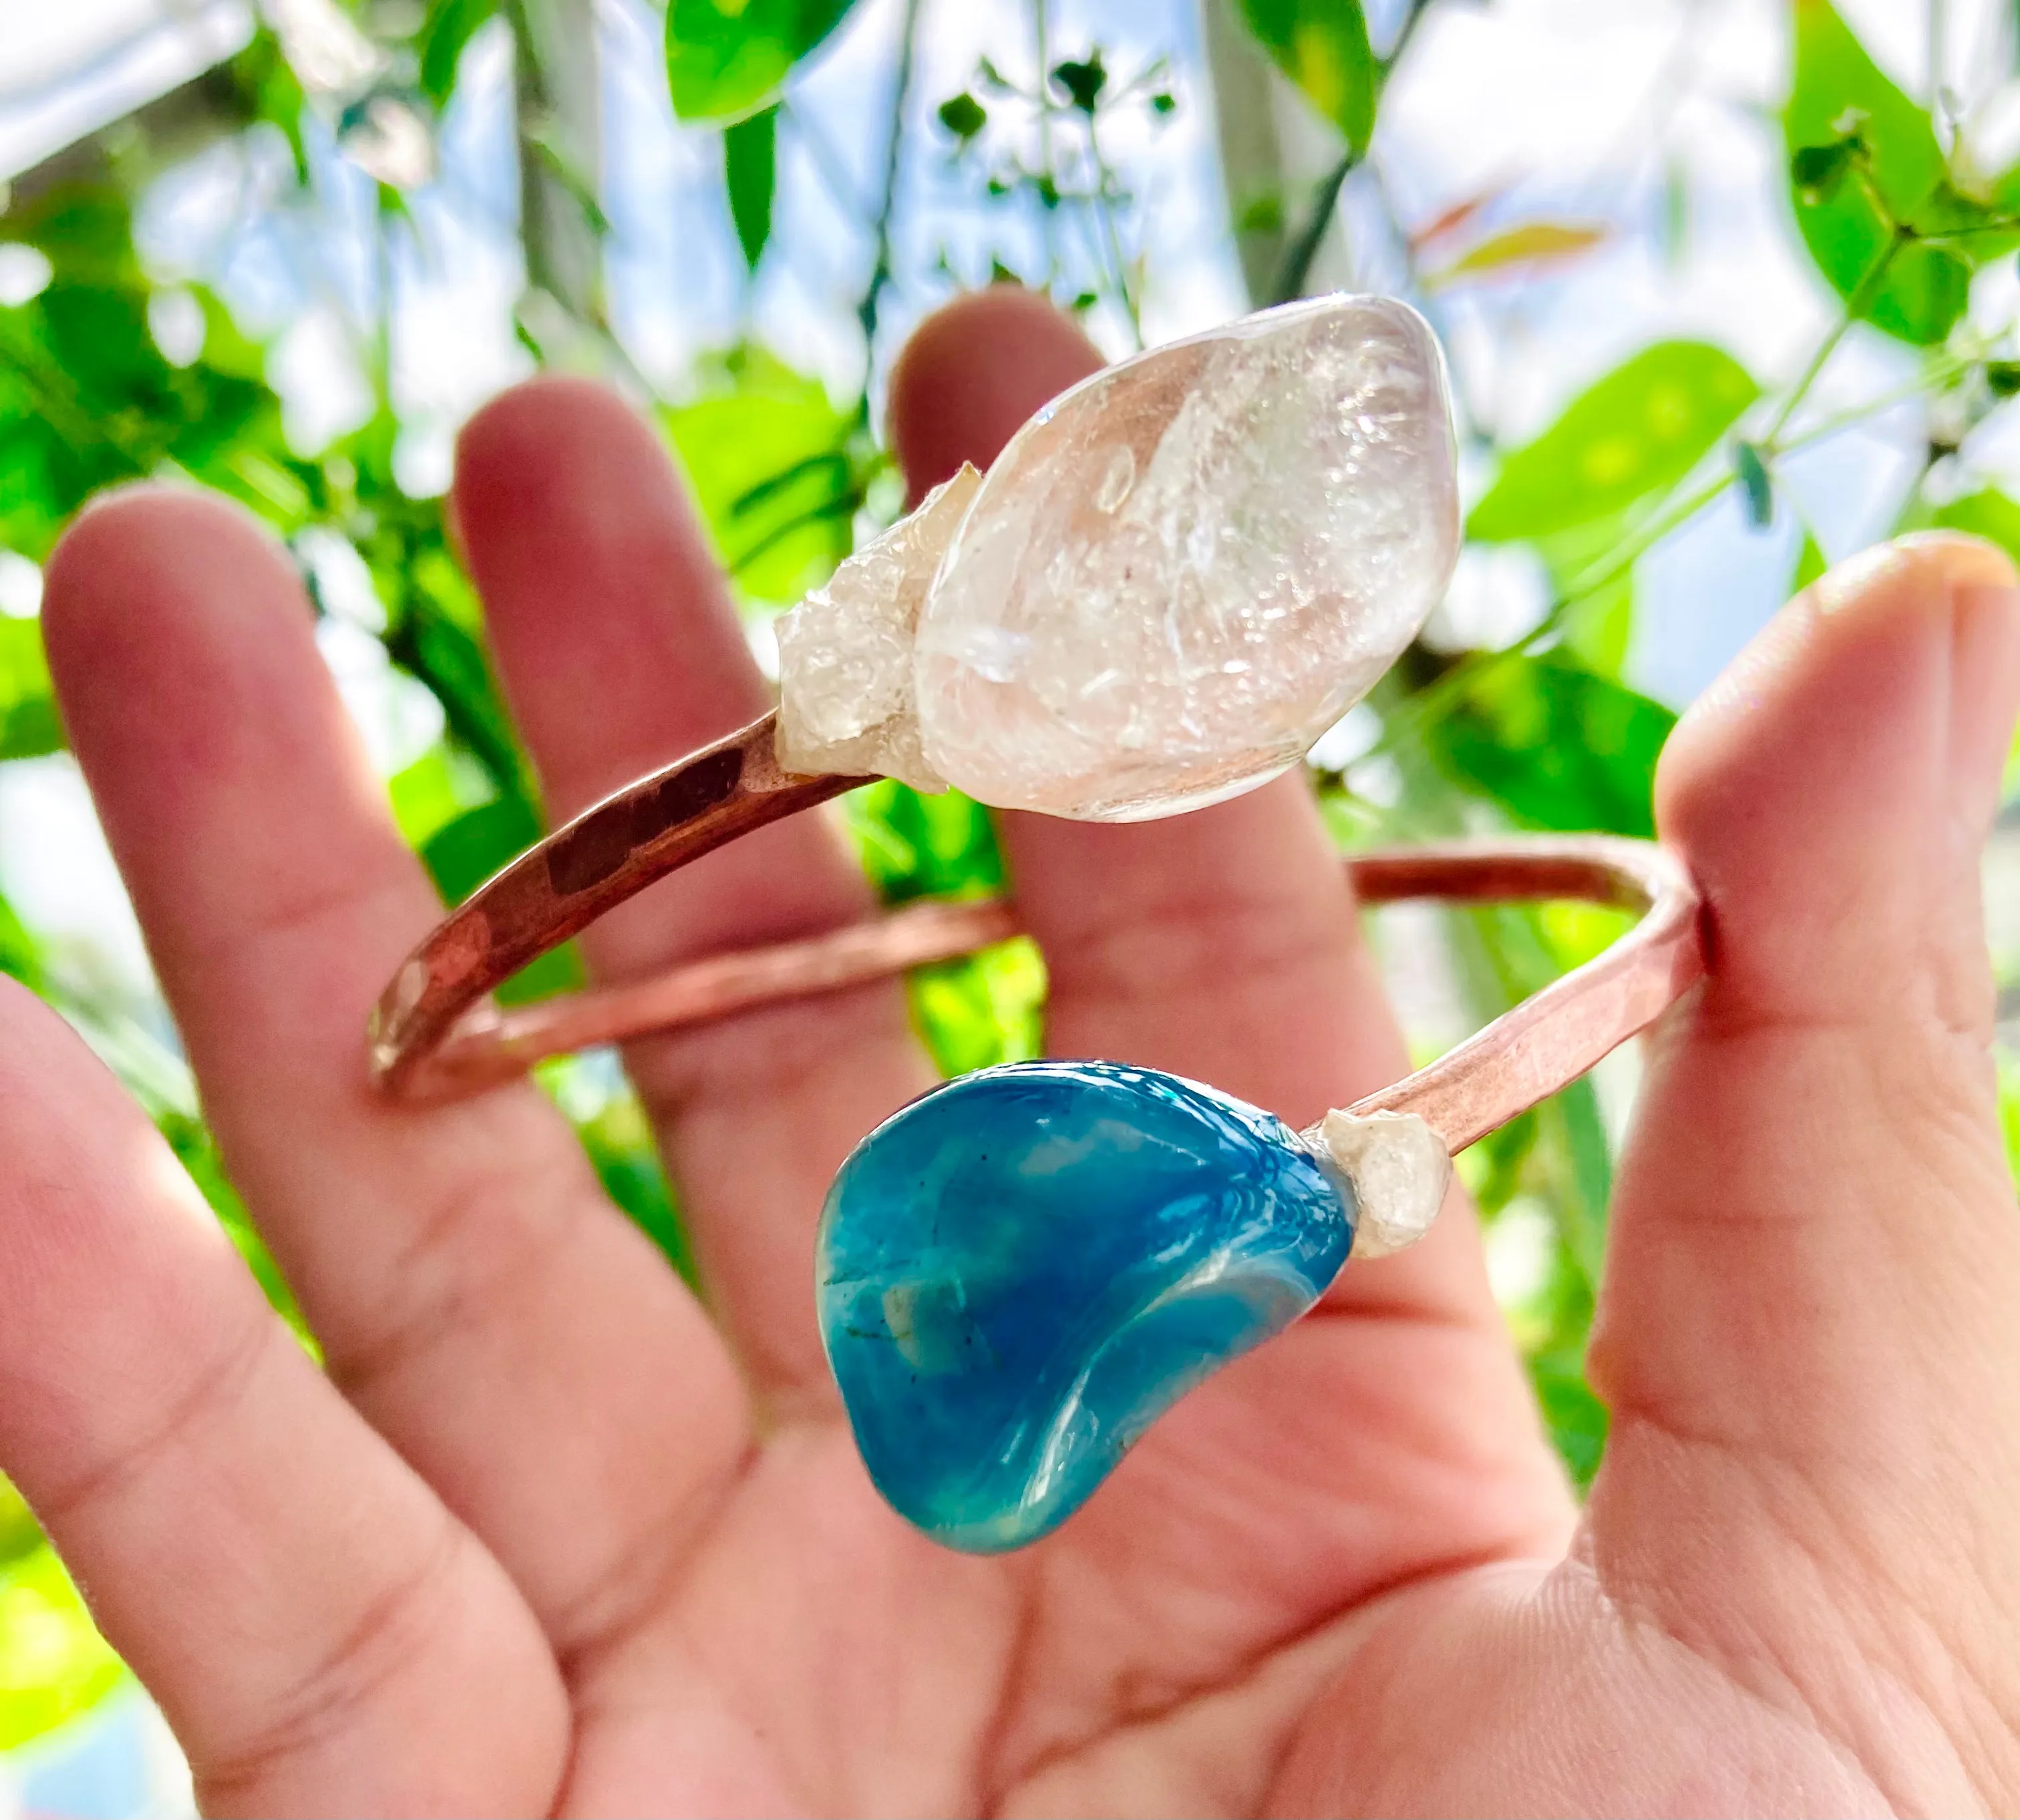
<point x="1104" y="208"/>
<point x="1855" y="307"/>
<point x="1938" y="373"/>
<point x="1404" y="32"/>
<point x="880" y="272"/>
<point x="1041" y="26"/>
<point x="1295" y="272"/>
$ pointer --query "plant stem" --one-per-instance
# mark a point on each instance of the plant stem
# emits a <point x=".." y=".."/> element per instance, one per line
<point x="894" y="141"/>
<point x="1855" y="307"/>
<point x="1293" y="274"/>
<point x="556" y="97"/>
<point x="1938" y="372"/>
<point x="1630" y="551"/>
<point x="1404" y="32"/>
<point x="1040" y="26"/>
<point x="1104" y="207"/>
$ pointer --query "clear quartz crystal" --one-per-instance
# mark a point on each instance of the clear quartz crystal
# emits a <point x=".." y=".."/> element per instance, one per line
<point x="845" y="652"/>
<point x="1184" y="570"/>
<point x="1400" y="1170"/>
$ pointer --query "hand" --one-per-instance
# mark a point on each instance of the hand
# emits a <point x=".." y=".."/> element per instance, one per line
<point x="551" y="1535"/>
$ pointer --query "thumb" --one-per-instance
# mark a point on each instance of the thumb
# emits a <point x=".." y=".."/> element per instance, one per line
<point x="1810" y="1331"/>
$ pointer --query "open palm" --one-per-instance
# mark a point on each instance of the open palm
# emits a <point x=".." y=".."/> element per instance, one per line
<point x="551" y="1535"/>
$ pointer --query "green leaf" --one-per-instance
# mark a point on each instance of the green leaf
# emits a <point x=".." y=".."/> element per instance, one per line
<point x="1576" y="1418"/>
<point x="913" y="845"/>
<point x="1262" y="213"/>
<point x="1864" y="161"/>
<point x="196" y="1149"/>
<point x="450" y="27"/>
<point x="1817" y="171"/>
<point x="1595" y="591"/>
<point x="20" y="954"/>
<point x="1641" y="428"/>
<point x="727" y="58"/>
<point x="1322" y="47"/>
<point x="750" y="165"/>
<point x="29" y="726"/>
<point x="620" y="1142"/>
<point x="1522" y="249"/>
<point x="1810" y="563"/>
<point x="1555" y="745"/>
<point x="1990" y="514"/>
<point x="426" y="796"/>
<point x="20" y="1534"/>
<point x="1082" y="83"/>
<point x="460" y="856"/>
<point x="1755" y="483"/>
<point x="974" y="1012"/>
<point x="771" y="461"/>
<point x="2009" y="1111"/>
<point x="982" y="1010"/>
<point x="451" y="659"/>
<point x="963" y="116"/>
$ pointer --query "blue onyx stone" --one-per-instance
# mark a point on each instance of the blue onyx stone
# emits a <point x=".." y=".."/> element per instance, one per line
<point x="1018" y="1273"/>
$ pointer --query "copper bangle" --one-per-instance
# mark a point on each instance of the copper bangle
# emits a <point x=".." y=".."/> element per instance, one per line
<point x="435" y="1034"/>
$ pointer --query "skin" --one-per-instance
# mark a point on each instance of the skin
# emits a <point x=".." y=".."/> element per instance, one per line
<point x="551" y="1534"/>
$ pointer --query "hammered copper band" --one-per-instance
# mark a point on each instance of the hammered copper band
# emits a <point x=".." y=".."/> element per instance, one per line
<point x="435" y="1033"/>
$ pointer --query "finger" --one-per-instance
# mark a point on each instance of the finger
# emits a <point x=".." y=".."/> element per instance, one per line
<point x="1392" y="1436"/>
<point x="319" y="1630"/>
<point x="476" y="1296"/>
<point x="1808" y="1318"/>
<point x="620" y="651"/>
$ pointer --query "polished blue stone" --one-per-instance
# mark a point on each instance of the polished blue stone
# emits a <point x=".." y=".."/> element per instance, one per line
<point x="1020" y="1272"/>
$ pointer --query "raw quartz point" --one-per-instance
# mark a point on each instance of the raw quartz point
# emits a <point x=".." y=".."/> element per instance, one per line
<point x="1183" y="571"/>
<point x="845" y="652"/>
<point x="1400" y="1169"/>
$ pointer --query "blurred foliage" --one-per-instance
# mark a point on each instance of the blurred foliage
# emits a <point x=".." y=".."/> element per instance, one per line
<point x="53" y="1664"/>
<point x="1322" y="47"/>
<point x="1522" y="250"/>
<point x="1554" y="744"/>
<point x="1874" y="199"/>
<point x="1071" y="104"/>
<point x="778" y="471"/>
<point x="1636" y="432"/>
<point x="989" y="1008"/>
<point x="728" y="58"/>
<point x="99" y="386"/>
<point x="750" y="171"/>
